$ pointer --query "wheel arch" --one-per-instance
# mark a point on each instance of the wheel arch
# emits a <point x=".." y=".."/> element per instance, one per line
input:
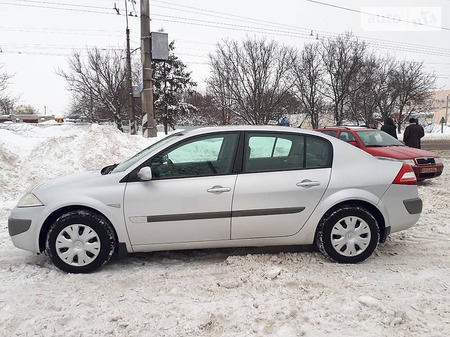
<point x="57" y="213"/>
<point x="364" y="204"/>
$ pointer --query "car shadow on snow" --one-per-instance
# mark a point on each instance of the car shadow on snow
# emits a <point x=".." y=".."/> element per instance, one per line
<point x="216" y="255"/>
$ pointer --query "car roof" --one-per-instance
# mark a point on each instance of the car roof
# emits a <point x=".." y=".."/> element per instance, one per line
<point x="344" y="128"/>
<point x="266" y="128"/>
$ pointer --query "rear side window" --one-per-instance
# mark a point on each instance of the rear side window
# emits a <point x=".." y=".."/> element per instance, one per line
<point x="275" y="152"/>
<point x="318" y="153"/>
<point x="269" y="147"/>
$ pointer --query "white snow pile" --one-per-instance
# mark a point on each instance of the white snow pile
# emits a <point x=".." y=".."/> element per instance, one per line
<point x="403" y="290"/>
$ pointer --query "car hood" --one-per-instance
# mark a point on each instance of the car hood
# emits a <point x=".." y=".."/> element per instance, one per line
<point x="400" y="152"/>
<point x="67" y="181"/>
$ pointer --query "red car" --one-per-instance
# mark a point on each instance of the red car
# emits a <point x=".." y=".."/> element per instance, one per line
<point x="378" y="143"/>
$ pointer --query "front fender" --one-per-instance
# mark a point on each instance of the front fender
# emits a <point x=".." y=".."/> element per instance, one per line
<point x="113" y="212"/>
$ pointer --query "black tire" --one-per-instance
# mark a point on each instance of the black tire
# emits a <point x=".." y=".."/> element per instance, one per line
<point x="348" y="235"/>
<point x="80" y="242"/>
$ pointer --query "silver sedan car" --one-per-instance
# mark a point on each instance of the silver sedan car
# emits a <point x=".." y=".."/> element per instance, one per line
<point x="219" y="187"/>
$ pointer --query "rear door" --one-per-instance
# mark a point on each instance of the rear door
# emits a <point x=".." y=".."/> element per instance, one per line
<point x="284" y="178"/>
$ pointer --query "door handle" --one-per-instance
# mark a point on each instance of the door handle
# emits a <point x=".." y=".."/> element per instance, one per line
<point x="218" y="189"/>
<point x="308" y="183"/>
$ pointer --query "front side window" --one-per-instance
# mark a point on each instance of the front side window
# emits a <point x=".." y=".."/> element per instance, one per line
<point x="346" y="136"/>
<point x="201" y="156"/>
<point x="329" y="132"/>
<point x="145" y="152"/>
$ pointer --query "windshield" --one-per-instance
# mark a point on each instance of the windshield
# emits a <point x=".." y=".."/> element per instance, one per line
<point x="377" y="138"/>
<point x="138" y="156"/>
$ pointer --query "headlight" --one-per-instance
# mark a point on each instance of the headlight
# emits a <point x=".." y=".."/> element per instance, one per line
<point x="409" y="162"/>
<point x="29" y="200"/>
<point x="386" y="158"/>
<point x="438" y="160"/>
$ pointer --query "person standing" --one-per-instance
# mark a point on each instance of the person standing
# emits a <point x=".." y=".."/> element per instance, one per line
<point x="413" y="133"/>
<point x="389" y="127"/>
<point x="422" y="132"/>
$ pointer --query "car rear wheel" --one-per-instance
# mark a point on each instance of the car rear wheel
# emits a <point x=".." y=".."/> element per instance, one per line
<point x="348" y="235"/>
<point x="80" y="242"/>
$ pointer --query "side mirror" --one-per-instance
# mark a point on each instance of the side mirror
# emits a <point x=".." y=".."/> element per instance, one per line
<point x="145" y="173"/>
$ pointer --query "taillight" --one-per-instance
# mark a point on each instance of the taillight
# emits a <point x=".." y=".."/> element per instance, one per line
<point x="406" y="176"/>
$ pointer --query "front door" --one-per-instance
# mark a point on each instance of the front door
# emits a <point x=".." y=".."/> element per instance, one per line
<point x="189" y="197"/>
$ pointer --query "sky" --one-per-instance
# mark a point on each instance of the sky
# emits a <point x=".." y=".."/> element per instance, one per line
<point x="38" y="36"/>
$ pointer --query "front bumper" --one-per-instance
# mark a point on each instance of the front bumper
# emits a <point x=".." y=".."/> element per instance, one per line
<point x="18" y="226"/>
<point x="24" y="225"/>
<point x="428" y="171"/>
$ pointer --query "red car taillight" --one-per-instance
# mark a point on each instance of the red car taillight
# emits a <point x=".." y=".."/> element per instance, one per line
<point x="406" y="176"/>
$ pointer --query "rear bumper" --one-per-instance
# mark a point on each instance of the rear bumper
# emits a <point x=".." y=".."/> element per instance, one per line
<point x="402" y="207"/>
<point x="413" y="206"/>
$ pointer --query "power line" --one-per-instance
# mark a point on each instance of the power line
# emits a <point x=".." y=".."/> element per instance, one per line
<point x="201" y="11"/>
<point x="296" y="32"/>
<point x="386" y="44"/>
<point x="377" y="15"/>
<point x="61" y="4"/>
<point x="63" y="31"/>
<point x="392" y="45"/>
<point x="57" y="8"/>
<point x="376" y="42"/>
<point x="226" y="16"/>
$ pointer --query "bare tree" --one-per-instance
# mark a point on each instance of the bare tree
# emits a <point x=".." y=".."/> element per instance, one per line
<point x="221" y="97"/>
<point x="83" y="107"/>
<point x="343" y="59"/>
<point x="101" y="80"/>
<point x="414" y="87"/>
<point x="7" y="102"/>
<point x="385" y="89"/>
<point x="251" y="79"/>
<point x="308" y="79"/>
<point x="373" y="91"/>
<point x="208" y="112"/>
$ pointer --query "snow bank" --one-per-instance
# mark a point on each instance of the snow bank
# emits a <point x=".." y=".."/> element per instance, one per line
<point x="401" y="291"/>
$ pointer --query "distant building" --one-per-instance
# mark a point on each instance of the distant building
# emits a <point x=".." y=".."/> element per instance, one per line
<point x="439" y="104"/>
<point x="26" y="118"/>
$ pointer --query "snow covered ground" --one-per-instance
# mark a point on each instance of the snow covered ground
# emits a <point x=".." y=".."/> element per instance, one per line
<point x="403" y="290"/>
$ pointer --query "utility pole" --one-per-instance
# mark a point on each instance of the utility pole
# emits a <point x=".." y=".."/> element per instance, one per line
<point x="149" y="129"/>
<point x="446" y="112"/>
<point x="130" y="80"/>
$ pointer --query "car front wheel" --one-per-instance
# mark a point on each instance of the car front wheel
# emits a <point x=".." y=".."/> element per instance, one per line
<point x="80" y="242"/>
<point x="348" y="235"/>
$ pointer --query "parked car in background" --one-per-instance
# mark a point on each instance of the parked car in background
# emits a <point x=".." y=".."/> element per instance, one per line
<point x="426" y="164"/>
<point x="221" y="187"/>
